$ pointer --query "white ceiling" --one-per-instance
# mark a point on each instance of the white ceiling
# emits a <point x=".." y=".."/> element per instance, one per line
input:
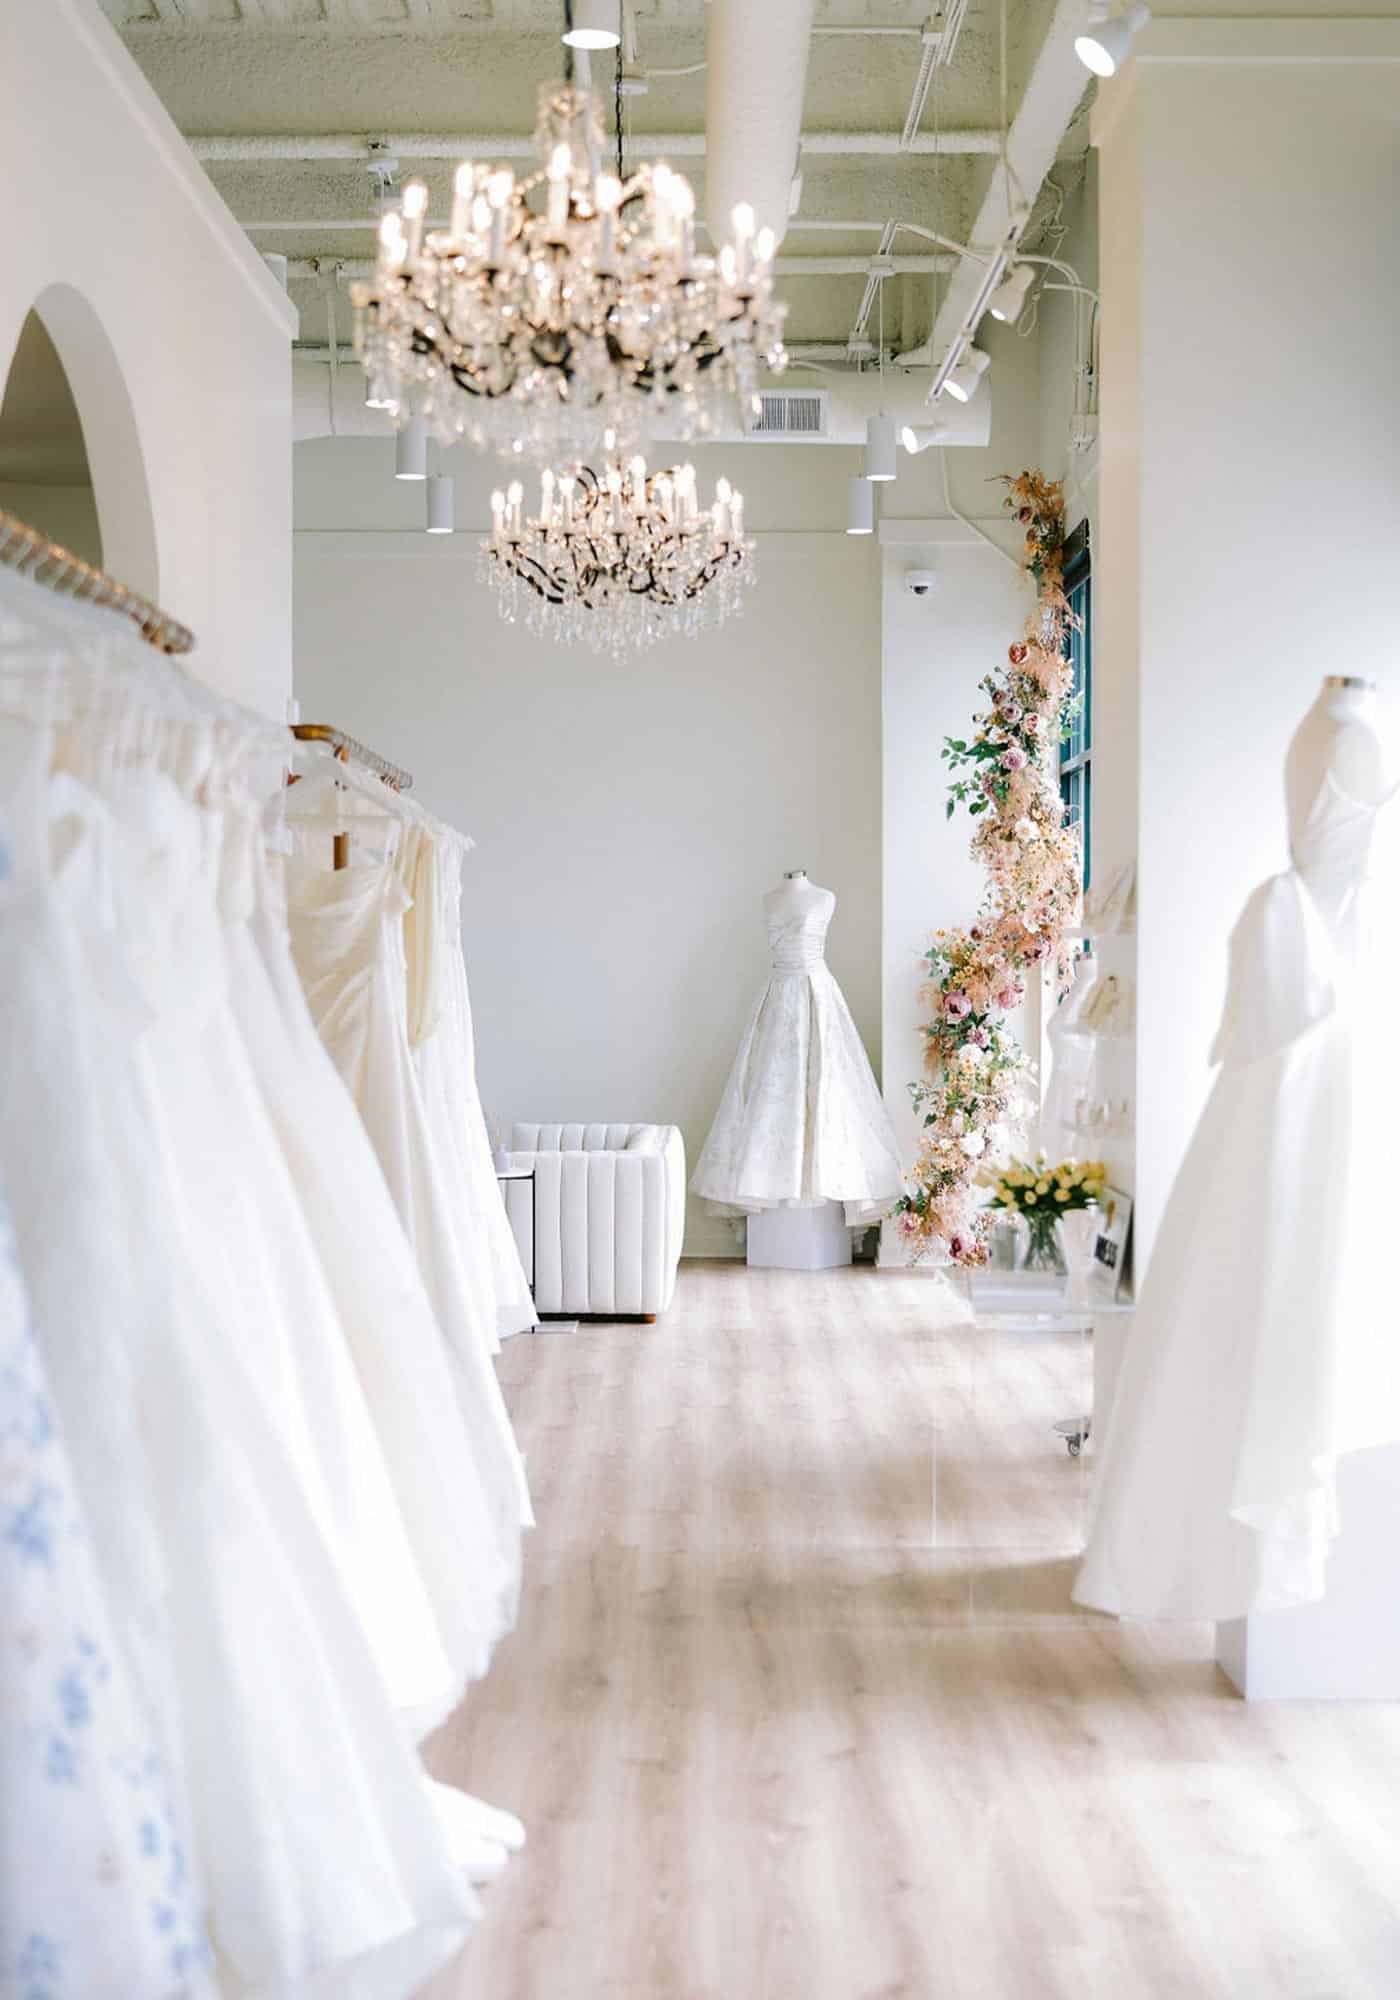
<point x="269" y="69"/>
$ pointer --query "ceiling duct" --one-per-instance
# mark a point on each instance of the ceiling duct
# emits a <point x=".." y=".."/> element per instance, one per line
<point x="843" y="404"/>
<point x="755" y="81"/>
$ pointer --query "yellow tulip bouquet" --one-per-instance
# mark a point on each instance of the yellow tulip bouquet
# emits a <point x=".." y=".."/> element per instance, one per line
<point x="1041" y="1193"/>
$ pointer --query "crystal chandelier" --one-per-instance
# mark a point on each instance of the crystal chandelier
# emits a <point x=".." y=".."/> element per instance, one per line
<point x="570" y="301"/>
<point x="620" y="561"/>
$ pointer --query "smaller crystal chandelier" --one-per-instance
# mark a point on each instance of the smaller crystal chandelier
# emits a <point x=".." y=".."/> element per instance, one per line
<point x="571" y="301"/>
<point x="621" y="561"/>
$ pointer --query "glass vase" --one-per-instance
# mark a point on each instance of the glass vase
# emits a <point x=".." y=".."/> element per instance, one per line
<point x="1042" y="1251"/>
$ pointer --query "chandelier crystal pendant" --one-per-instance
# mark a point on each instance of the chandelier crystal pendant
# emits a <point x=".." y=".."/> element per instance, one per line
<point x="620" y="561"/>
<point x="571" y="301"/>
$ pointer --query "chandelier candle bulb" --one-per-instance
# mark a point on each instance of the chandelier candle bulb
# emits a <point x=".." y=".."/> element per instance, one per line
<point x="736" y="517"/>
<point x="743" y="221"/>
<point x="558" y="194"/>
<point x="463" y="188"/>
<point x="515" y="495"/>
<point x="607" y="196"/>
<point x="415" y="207"/>
<point x="393" y="247"/>
<point x="499" y="189"/>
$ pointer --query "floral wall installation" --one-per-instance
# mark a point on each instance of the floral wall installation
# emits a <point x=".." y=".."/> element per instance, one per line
<point x="1006" y="776"/>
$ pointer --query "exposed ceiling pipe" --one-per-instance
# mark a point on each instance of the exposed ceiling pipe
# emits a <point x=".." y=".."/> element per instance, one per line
<point x="302" y="270"/>
<point x="754" y="87"/>
<point x="850" y="399"/>
<point x="250" y="149"/>
<point x="1052" y="95"/>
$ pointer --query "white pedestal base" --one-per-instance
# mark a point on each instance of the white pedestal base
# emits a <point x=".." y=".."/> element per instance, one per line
<point x="799" y="1239"/>
<point x="1347" y="1648"/>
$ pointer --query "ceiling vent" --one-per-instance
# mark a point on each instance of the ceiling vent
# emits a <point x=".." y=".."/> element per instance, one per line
<point x="791" y="413"/>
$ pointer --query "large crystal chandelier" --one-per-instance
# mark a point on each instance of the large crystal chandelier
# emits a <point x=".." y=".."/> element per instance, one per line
<point x="552" y="307"/>
<point x="618" y="561"/>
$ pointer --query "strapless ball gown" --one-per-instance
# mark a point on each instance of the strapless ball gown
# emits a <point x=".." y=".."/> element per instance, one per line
<point x="801" y="1120"/>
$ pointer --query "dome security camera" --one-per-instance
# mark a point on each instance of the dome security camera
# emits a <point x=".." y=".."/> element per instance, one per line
<point x="919" y="582"/>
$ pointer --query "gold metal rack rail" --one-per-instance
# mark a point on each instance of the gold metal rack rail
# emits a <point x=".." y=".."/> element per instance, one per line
<point x="31" y="553"/>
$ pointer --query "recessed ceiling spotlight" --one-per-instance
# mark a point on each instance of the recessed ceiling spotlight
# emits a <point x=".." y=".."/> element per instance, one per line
<point x="595" y="25"/>
<point x="1104" y="45"/>
<point x="860" y="507"/>
<point x="1009" y="297"/>
<point x="962" y="383"/>
<point x="881" y="459"/>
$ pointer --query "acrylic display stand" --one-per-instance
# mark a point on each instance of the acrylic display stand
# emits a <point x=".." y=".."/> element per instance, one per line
<point x="799" y="1239"/>
<point x="1347" y="1647"/>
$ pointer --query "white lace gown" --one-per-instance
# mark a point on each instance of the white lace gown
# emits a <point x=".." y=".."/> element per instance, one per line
<point x="801" y="1120"/>
<point x="1264" y="1344"/>
<point x="217" y="1492"/>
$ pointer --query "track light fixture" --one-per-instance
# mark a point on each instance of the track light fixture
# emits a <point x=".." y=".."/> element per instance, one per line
<point x="881" y="460"/>
<point x="1009" y="298"/>
<point x="593" y="24"/>
<point x="411" y="450"/>
<point x="962" y="382"/>
<point x="442" y="504"/>
<point x="860" y="507"/>
<point x="919" y="437"/>
<point x="1104" y="45"/>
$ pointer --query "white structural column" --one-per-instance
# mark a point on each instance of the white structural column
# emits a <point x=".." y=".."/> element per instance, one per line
<point x="1249" y="480"/>
<point x="1249" y="490"/>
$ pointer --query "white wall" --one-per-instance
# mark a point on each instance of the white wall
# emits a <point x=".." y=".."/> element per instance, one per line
<point x="173" y="335"/>
<point x="1249" y="505"/>
<point x="629" y="815"/>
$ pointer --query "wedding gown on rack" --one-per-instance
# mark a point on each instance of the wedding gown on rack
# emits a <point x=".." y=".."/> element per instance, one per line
<point x="394" y="1339"/>
<point x="348" y="944"/>
<point x="98" y="1891"/>
<point x="440" y="1029"/>
<point x="220" y="1504"/>
<point x="801" y="1119"/>
<point x="1263" y="1345"/>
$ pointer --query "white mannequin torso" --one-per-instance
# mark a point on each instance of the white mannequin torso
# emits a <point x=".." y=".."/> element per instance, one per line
<point x="794" y="898"/>
<point x="1341" y="736"/>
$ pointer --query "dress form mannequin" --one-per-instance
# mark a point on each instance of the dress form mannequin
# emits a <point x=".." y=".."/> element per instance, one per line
<point x="795" y="897"/>
<point x="801" y="1141"/>
<point x="1250" y="1467"/>
<point x="1339" y="736"/>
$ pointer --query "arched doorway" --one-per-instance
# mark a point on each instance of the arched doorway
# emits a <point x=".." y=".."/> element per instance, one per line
<point x="70" y="456"/>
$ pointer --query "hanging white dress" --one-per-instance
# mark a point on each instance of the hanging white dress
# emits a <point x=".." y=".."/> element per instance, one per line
<point x="398" y="1349"/>
<point x="99" y="1896"/>
<point x="1263" y="1346"/>
<point x="801" y="1119"/>
<point x="218" y="1544"/>
<point x="347" y="942"/>
<point x="440" y="1028"/>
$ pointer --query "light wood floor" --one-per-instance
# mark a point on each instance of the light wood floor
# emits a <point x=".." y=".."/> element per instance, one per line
<point x="799" y="1708"/>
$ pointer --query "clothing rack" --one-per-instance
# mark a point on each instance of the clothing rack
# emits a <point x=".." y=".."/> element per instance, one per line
<point x="346" y="748"/>
<point x="31" y="553"/>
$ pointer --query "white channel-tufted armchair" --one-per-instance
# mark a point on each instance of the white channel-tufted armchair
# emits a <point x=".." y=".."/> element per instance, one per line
<point x="600" y="1229"/>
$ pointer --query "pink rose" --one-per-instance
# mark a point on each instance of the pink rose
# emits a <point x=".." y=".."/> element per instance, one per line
<point x="1032" y="723"/>
<point x="956" y="1006"/>
<point x="1012" y="713"/>
<point x="1013" y="758"/>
